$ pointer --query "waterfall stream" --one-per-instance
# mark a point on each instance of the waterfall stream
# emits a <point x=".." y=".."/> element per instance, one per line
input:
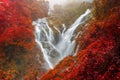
<point x="55" y="50"/>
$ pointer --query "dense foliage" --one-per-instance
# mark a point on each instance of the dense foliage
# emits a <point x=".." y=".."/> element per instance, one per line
<point x="17" y="38"/>
<point x="99" y="55"/>
<point x="33" y="9"/>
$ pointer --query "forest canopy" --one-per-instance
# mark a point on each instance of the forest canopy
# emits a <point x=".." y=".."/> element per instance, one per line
<point x="98" y="57"/>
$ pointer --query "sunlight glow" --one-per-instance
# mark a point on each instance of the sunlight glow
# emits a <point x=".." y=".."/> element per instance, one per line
<point x="57" y="1"/>
<point x="53" y="2"/>
<point x="62" y="2"/>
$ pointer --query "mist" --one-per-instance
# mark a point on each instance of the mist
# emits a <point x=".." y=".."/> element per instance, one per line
<point x="62" y="2"/>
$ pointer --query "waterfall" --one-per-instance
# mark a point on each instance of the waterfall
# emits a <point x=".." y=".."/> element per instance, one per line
<point x="55" y="50"/>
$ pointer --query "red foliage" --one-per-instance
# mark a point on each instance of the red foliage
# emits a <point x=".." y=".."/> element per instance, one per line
<point x="19" y="36"/>
<point x="7" y="75"/>
<point x="100" y="57"/>
<point x="15" y="29"/>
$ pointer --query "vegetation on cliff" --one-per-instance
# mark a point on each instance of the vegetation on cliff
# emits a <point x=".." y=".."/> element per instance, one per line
<point x="98" y="57"/>
<point x="17" y="38"/>
<point x="68" y="13"/>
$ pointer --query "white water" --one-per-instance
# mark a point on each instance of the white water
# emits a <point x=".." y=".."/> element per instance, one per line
<point x="54" y="49"/>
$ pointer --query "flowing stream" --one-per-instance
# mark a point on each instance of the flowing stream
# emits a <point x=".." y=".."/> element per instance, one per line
<point x="54" y="50"/>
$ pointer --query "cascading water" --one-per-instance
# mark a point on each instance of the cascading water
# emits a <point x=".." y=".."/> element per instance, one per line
<point x="55" y="50"/>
